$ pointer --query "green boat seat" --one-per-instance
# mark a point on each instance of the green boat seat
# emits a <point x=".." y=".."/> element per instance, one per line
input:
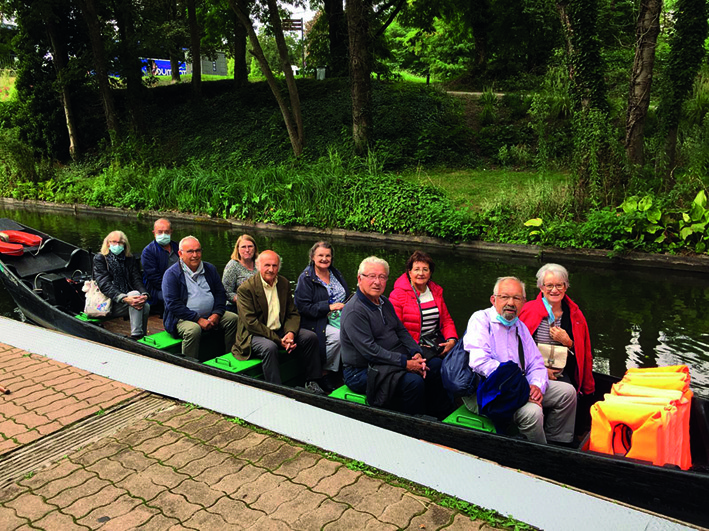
<point x="162" y="341"/>
<point x="83" y="317"/>
<point x="466" y="418"/>
<point x="227" y="362"/>
<point x="345" y="393"/>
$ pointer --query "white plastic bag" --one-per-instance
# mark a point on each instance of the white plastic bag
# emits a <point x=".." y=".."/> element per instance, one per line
<point x="97" y="304"/>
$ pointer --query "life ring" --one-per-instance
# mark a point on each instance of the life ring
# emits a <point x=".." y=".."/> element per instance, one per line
<point x="12" y="241"/>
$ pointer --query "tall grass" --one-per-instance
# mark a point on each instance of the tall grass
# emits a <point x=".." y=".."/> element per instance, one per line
<point x="7" y="84"/>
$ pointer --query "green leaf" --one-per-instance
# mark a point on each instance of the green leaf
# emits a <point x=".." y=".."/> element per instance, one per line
<point x="653" y="215"/>
<point x="696" y="211"/>
<point x="630" y="205"/>
<point x="660" y="238"/>
<point x="645" y="203"/>
<point x="685" y="232"/>
<point x="535" y="222"/>
<point x="701" y="199"/>
<point x="686" y="217"/>
<point x="701" y="247"/>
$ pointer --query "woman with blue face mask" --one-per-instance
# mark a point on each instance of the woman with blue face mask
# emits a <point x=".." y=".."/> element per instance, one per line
<point x="118" y="276"/>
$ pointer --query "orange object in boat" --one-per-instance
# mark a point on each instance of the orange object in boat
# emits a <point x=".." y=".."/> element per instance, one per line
<point x="12" y="241"/>
<point x="11" y="249"/>
<point x="621" y="426"/>
<point x="666" y="369"/>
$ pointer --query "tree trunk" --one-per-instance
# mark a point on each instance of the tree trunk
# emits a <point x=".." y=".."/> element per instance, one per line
<point x="646" y="32"/>
<point x="360" y="72"/>
<point x="480" y="24"/>
<point x="175" y="67"/>
<point x="294" y="128"/>
<point x="241" y="70"/>
<point x="195" y="48"/>
<point x="130" y="62"/>
<point x="337" y="32"/>
<point x="94" y="27"/>
<point x="60" y="60"/>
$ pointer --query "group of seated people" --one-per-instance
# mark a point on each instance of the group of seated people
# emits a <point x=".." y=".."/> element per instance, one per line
<point x="390" y="348"/>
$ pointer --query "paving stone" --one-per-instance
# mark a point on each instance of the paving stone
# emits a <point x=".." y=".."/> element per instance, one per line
<point x="57" y="520"/>
<point x="84" y="505"/>
<point x="166" y="438"/>
<point x="333" y="484"/>
<point x="31" y="507"/>
<point x="138" y="515"/>
<point x="10" y="428"/>
<point x="66" y="497"/>
<point x="174" y="506"/>
<point x="213" y="475"/>
<point x="463" y="522"/>
<point x="183" y="452"/>
<point x="133" y="459"/>
<point x="8" y="445"/>
<point x="258" y="451"/>
<point x="376" y="502"/>
<point x="110" y="470"/>
<point x="107" y="399"/>
<point x="273" y="460"/>
<point x="198" y="492"/>
<point x="55" y="403"/>
<point x="27" y="395"/>
<point x="300" y="506"/>
<point x="9" y="409"/>
<point x="401" y="513"/>
<point x="327" y="512"/>
<point x="435" y="517"/>
<point x="166" y="414"/>
<point x="69" y="376"/>
<point x="211" y="459"/>
<point x="321" y="470"/>
<point x="74" y="479"/>
<point x="261" y="486"/>
<point x="283" y="492"/>
<point x="376" y="525"/>
<point x="91" y="388"/>
<point x="189" y="415"/>
<point x="180" y="527"/>
<point x="31" y="419"/>
<point x="235" y="512"/>
<point x="10" y="520"/>
<point x="362" y="489"/>
<point x="233" y="482"/>
<point x="237" y="446"/>
<point x="48" y="428"/>
<point x="11" y="491"/>
<point x="207" y="420"/>
<point x="164" y="475"/>
<point x="349" y="520"/>
<point x="206" y="520"/>
<point x="48" y="374"/>
<point x="297" y="464"/>
<point x="207" y="434"/>
<point x="266" y="523"/>
<point x="79" y="455"/>
<point x="28" y="436"/>
<point x="122" y="505"/>
<point x="159" y="522"/>
<point x="63" y="469"/>
<point x="140" y="486"/>
<point x="221" y="440"/>
<point x="140" y="432"/>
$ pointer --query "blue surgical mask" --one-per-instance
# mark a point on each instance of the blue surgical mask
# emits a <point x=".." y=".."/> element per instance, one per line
<point x="116" y="249"/>
<point x="550" y="312"/>
<point x="505" y="322"/>
<point x="162" y="239"/>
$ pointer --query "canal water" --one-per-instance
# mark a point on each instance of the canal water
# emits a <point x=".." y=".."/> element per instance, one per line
<point x="637" y="318"/>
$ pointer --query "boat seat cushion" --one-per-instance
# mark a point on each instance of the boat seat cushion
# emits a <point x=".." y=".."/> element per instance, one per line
<point x="466" y="418"/>
<point x="345" y="393"/>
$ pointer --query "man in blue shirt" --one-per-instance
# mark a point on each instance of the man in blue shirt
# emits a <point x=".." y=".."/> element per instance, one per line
<point x="157" y="256"/>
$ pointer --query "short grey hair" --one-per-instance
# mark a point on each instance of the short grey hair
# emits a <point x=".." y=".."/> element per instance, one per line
<point x="557" y="270"/>
<point x="258" y="258"/>
<point x="372" y="260"/>
<point x="500" y="280"/>
<point x="183" y="240"/>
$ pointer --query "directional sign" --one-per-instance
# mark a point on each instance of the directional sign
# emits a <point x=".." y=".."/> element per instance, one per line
<point x="292" y="24"/>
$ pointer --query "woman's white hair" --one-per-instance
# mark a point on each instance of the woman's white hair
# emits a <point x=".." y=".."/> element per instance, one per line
<point x="372" y="260"/>
<point x="557" y="270"/>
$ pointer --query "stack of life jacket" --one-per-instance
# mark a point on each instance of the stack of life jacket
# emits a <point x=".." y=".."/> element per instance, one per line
<point x="646" y="417"/>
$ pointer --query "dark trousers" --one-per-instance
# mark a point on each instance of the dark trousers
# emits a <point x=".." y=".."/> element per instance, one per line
<point x="307" y="350"/>
<point x="409" y="395"/>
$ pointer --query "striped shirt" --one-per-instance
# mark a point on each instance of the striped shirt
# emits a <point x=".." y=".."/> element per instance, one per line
<point x="430" y="315"/>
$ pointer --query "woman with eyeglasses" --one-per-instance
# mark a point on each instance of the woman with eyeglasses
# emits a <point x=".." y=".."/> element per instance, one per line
<point x="240" y="268"/>
<point x="554" y="319"/>
<point x="418" y="302"/>
<point x="119" y="278"/>
<point x="320" y="295"/>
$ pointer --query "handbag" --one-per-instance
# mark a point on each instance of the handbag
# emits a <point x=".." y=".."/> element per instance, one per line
<point x="554" y="356"/>
<point x="430" y="344"/>
<point x="458" y="378"/>
<point x="97" y="304"/>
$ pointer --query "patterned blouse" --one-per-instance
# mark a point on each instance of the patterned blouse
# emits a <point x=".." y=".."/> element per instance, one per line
<point x="235" y="274"/>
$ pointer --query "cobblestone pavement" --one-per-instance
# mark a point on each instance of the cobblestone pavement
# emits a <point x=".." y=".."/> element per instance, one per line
<point x="47" y="395"/>
<point x="185" y="468"/>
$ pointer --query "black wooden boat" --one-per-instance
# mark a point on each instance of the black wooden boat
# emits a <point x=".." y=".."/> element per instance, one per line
<point x="55" y="265"/>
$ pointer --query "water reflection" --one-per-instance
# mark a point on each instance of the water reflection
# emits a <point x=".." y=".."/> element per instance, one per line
<point x="636" y="318"/>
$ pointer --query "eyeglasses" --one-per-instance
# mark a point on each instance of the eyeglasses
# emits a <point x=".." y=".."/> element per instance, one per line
<point x="192" y="251"/>
<point x="558" y="287"/>
<point x="372" y="277"/>
<point x="506" y="298"/>
<point x="421" y="270"/>
<point x="115" y="242"/>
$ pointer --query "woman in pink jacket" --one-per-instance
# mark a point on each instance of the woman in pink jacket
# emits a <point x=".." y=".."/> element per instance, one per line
<point x="418" y="301"/>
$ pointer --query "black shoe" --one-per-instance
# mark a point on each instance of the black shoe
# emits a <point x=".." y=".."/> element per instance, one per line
<point x="138" y="337"/>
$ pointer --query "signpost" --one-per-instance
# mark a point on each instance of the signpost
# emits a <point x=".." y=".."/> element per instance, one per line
<point x="296" y="24"/>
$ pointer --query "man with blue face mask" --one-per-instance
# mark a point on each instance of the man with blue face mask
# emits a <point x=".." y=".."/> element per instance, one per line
<point x="495" y="336"/>
<point x="160" y="254"/>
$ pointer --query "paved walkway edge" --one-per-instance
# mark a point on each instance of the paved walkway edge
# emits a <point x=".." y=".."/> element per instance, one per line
<point x="530" y="499"/>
